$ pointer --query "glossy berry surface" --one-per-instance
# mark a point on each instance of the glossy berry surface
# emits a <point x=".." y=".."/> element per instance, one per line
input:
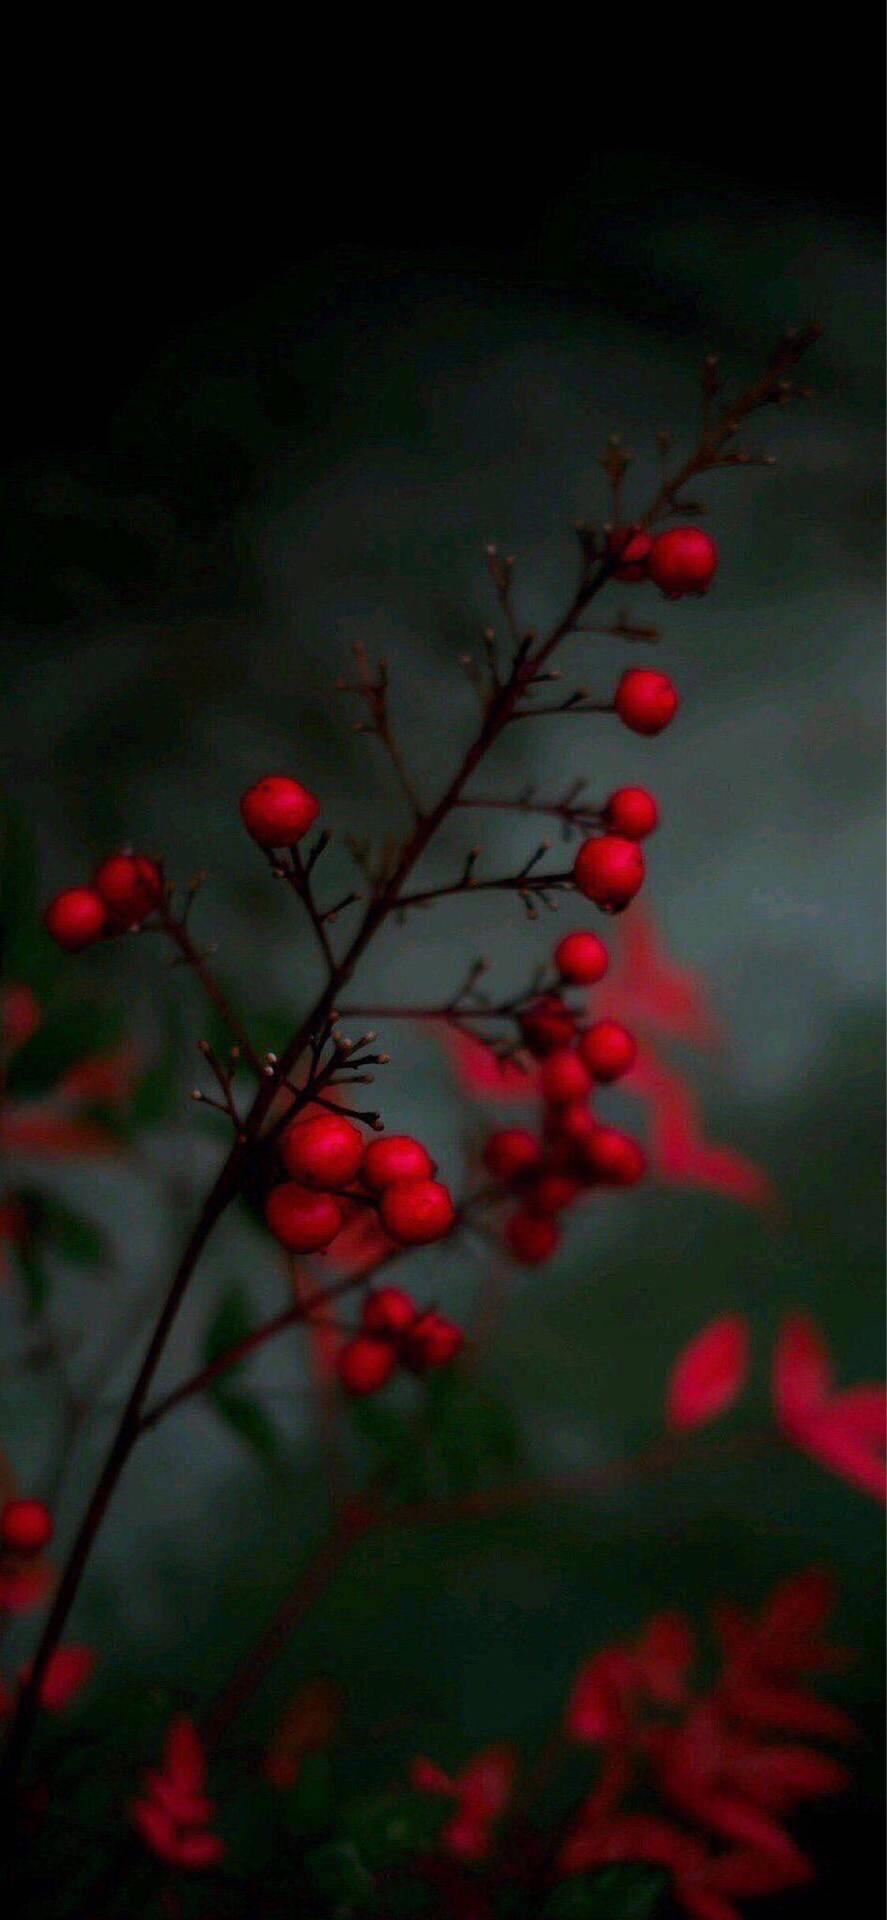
<point x="397" y="1157"/>
<point x="325" y="1151"/>
<point x="609" y="870"/>
<point x="613" y="1157"/>
<point x="682" y="560"/>
<point x="278" y="811"/>
<point x="512" y="1152"/>
<point x="25" y="1526"/>
<point x="581" y="958"/>
<point x="645" y="700"/>
<point x="631" y="811"/>
<point x="608" y="1049"/>
<point x="563" y="1076"/>
<point x="388" y="1312"/>
<point x="432" y="1342"/>
<point x="416" y="1211"/>
<point x="303" y="1221"/>
<point x="364" y="1364"/>
<point x="531" y="1237"/>
<point x="131" y="887"/>
<point x="75" y="918"/>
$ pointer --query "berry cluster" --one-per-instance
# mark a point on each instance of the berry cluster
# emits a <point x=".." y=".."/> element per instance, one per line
<point x="394" y="1332"/>
<point x="324" y="1156"/>
<point x="125" y="889"/>
<point x="679" y="561"/>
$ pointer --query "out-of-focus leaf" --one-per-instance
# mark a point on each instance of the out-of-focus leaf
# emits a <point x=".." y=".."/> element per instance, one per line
<point x="471" y="1429"/>
<point x="230" y="1321"/>
<point x="70" y="1030"/>
<point x="248" y="1418"/>
<point x="339" y="1874"/>
<point x="393" y="1439"/>
<point x="619" y="1893"/>
<point x="35" y="1276"/>
<point x="66" y="1229"/>
<point x="391" y="1826"/>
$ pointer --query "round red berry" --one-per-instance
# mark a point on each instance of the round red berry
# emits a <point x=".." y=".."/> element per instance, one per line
<point x="511" y="1152"/>
<point x="563" y="1077"/>
<point x="682" y="560"/>
<point x="613" y="1157"/>
<point x="531" y="1237"/>
<point x="631" y="811"/>
<point x="416" y="1211"/>
<point x="609" y="870"/>
<point x="397" y="1157"/>
<point x="388" y="1312"/>
<point x="608" y="1049"/>
<point x="547" y="1024"/>
<point x="364" y="1364"/>
<point x="75" y="918"/>
<point x="278" y="811"/>
<point x="432" y="1342"/>
<point x="131" y="887"/>
<point x="25" y="1526"/>
<point x="645" y="700"/>
<point x="303" y="1221"/>
<point x="629" y="548"/>
<point x="552" y="1192"/>
<point x="325" y="1151"/>
<point x="581" y="958"/>
<point x="573" y="1123"/>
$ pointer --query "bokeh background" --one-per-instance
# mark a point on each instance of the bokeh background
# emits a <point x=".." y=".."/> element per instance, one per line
<point x="275" y="465"/>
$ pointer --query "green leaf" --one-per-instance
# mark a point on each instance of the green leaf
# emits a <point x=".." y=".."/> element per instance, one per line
<point x="68" y="1231"/>
<point x="248" y="1418"/>
<point x="71" y="1029"/>
<point x="392" y="1437"/>
<point x="618" y="1893"/>
<point x="471" y="1429"/>
<point x="231" y="1321"/>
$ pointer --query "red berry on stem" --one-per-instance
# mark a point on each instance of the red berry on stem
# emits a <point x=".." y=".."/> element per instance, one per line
<point x="563" y="1077"/>
<point x="645" y="700"/>
<point x="303" y="1221"/>
<point x="546" y="1024"/>
<point x="75" y="918"/>
<point x="531" y="1237"/>
<point x="574" y="1123"/>
<point x="629" y="547"/>
<point x="278" y="811"/>
<point x="511" y="1152"/>
<point x="25" y="1526"/>
<point x="364" y="1364"/>
<point x="682" y="560"/>
<point x="416" y="1211"/>
<point x="131" y="887"/>
<point x="432" y="1342"/>
<point x="388" y="1312"/>
<point x="581" y="958"/>
<point x="397" y="1157"/>
<point x="325" y="1151"/>
<point x="552" y="1192"/>
<point x="608" y="1049"/>
<point x="631" y="811"/>
<point x="609" y="870"/>
<point x="613" y="1157"/>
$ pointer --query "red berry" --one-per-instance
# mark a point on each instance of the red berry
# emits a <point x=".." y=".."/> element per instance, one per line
<point x="609" y="870"/>
<point x="397" y="1157"/>
<point x="581" y="958"/>
<point x="302" y="1221"/>
<point x="75" y="918"/>
<point x="277" y="811"/>
<point x="552" y="1192"/>
<point x="416" y="1211"/>
<point x="631" y="811"/>
<point x="563" y="1077"/>
<point x="511" y="1152"/>
<point x="531" y="1237"/>
<point x="608" y="1049"/>
<point x="630" y="548"/>
<point x="25" y="1526"/>
<point x="682" y="560"/>
<point x="574" y="1123"/>
<point x="388" y="1312"/>
<point x="613" y="1157"/>
<point x="432" y="1342"/>
<point x="364" y="1364"/>
<point x="645" y="700"/>
<point x="325" y="1151"/>
<point x="130" y="886"/>
<point x="547" y="1024"/>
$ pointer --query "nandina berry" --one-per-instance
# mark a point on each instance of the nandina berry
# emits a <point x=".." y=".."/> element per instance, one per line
<point x="631" y="811"/>
<point x="682" y="560"/>
<point x="563" y="1077"/>
<point x="629" y="547"/>
<point x="432" y="1342"/>
<point x="511" y="1152"/>
<point x="608" y="1049"/>
<point x="552" y="1192"/>
<point x="531" y="1237"/>
<point x="25" y="1526"/>
<point x="388" y="1313"/>
<point x="613" y="1157"/>
<point x="416" y="1211"/>
<point x="278" y="811"/>
<point x="130" y="885"/>
<point x="397" y="1157"/>
<point x="581" y="958"/>
<point x="364" y="1364"/>
<point x="645" y="700"/>
<point x="573" y="1123"/>
<point x="75" y="918"/>
<point x="303" y="1221"/>
<point x="546" y="1024"/>
<point x="609" y="870"/>
<point x="324" y="1151"/>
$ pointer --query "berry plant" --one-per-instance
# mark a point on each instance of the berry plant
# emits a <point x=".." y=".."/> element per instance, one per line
<point x="686" y="1766"/>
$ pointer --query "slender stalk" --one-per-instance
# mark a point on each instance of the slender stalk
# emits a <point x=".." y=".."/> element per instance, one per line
<point x="193" y="958"/>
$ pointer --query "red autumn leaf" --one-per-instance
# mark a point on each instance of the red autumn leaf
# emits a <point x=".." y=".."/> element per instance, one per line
<point x="67" y="1671"/>
<point x="648" y="990"/>
<point x="844" y="1431"/>
<point x="679" y="1152"/>
<point x="709" y="1374"/>
<point x="480" y="1071"/>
